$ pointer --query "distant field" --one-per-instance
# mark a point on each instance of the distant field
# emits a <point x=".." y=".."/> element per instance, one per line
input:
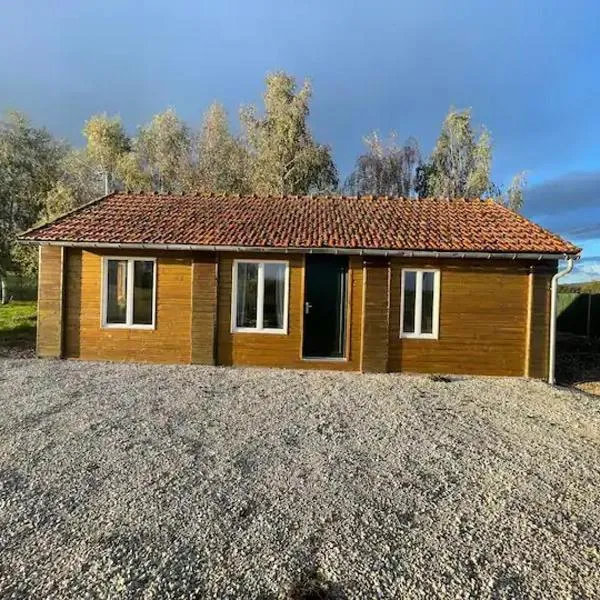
<point x="588" y="287"/>
<point x="17" y="325"/>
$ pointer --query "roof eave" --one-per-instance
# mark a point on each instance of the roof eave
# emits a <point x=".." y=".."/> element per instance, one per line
<point x="530" y="255"/>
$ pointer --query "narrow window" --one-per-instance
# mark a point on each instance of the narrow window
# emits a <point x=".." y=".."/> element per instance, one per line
<point x="420" y="303"/>
<point x="143" y="292"/>
<point x="274" y="295"/>
<point x="247" y="295"/>
<point x="129" y="293"/>
<point x="260" y="296"/>
<point x="116" y="292"/>
<point x="410" y="284"/>
<point x="427" y="302"/>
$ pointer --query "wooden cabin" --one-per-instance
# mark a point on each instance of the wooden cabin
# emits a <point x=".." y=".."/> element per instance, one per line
<point x="358" y="284"/>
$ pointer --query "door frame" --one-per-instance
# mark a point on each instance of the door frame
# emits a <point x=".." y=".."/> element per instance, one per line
<point x="347" y="325"/>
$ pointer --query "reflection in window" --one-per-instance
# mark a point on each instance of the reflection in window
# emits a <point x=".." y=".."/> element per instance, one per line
<point x="143" y="292"/>
<point x="260" y="296"/>
<point x="129" y="292"/>
<point x="420" y="306"/>
<point x="116" y="311"/>
<point x="410" y="282"/>
<point x="247" y="294"/>
<point x="274" y="295"/>
<point x="427" y="303"/>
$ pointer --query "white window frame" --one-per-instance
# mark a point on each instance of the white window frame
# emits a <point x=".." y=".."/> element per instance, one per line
<point x="416" y="334"/>
<point x="259" y="297"/>
<point x="130" y="286"/>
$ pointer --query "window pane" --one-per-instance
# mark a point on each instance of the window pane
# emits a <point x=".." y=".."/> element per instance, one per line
<point x="247" y="286"/>
<point x="427" y="303"/>
<point x="410" y="284"/>
<point x="143" y="288"/>
<point x="116" y="300"/>
<point x="274" y="296"/>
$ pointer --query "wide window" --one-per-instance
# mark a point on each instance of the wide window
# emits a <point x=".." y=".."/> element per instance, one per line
<point x="420" y="305"/>
<point x="129" y="290"/>
<point x="260" y="296"/>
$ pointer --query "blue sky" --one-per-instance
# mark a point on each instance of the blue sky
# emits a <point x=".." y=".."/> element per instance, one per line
<point x="528" y="69"/>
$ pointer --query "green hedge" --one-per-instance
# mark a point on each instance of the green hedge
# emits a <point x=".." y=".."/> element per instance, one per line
<point x="21" y="287"/>
<point x="572" y="312"/>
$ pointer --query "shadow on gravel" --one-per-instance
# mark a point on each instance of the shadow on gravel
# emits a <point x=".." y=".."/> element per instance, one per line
<point x="443" y="378"/>
<point x="314" y="587"/>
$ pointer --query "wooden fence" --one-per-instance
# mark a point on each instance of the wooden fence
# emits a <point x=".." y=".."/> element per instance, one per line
<point x="579" y="314"/>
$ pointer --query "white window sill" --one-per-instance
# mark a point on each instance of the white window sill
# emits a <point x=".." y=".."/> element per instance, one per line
<point x="418" y="336"/>
<point x="254" y="330"/>
<point x="124" y="326"/>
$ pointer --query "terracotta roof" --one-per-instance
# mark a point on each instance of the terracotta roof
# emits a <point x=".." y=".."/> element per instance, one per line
<point x="302" y="222"/>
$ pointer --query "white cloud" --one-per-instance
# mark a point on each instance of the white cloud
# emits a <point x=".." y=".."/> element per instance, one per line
<point x="585" y="270"/>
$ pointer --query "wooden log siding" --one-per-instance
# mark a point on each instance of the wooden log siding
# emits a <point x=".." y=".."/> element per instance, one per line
<point x="284" y="350"/>
<point x="204" y="309"/>
<point x="483" y="320"/>
<point x="487" y="311"/>
<point x="50" y="302"/>
<point x="540" y="324"/>
<point x="376" y="312"/>
<point x="169" y="342"/>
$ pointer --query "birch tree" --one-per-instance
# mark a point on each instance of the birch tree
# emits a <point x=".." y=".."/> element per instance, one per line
<point x="284" y="158"/>
<point x="222" y="160"/>
<point x="163" y="146"/>
<point x="515" y="196"/>
<point x="106" y="143"/>
<point x="460" y="164"/>
<point x="77" y="183"/>
<point x="29" y="166"/>
<point x="387" y="168"/>
<point x="130" y="172"/>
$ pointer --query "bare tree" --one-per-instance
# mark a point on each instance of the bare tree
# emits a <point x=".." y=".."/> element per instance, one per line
<point x="387" y="168"/>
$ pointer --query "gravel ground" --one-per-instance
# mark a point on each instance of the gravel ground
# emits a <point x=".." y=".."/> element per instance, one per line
<point x="123" y="481"/>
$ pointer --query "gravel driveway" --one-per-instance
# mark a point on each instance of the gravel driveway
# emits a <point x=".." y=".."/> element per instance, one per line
<point x="122" y="481"/>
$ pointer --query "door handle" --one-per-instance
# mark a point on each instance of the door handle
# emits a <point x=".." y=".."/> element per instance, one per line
<point x="307" y="307"/>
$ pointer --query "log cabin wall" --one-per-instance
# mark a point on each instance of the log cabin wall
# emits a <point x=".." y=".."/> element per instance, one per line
<point x="540" y="323"/>
<point x="494" y="316"/>
<point x="285" y="350"/>
<point x="204" y="308"/>
<point x="169" y="342"/>
<point x="376" y="316"/>
<point x="49" y="341"/>
<point x="483" y="319"/>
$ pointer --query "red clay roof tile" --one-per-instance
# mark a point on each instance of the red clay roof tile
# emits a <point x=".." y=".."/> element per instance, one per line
<point x="303" y="222"/>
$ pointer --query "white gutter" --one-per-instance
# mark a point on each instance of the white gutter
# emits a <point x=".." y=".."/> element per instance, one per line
<point x="290" y="250"/>
<point x="553" y="303"/>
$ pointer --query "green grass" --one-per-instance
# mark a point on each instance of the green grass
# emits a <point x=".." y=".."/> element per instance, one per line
<point x="17" y="324"/>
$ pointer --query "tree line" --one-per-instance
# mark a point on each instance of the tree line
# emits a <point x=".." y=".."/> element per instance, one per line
<point x="42" y="176"/>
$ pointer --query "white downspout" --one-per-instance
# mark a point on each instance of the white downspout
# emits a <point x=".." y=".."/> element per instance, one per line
<point x="553" y="302"/>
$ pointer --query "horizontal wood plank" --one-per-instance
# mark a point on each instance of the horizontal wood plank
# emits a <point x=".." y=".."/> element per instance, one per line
<point x="282" y="350"/>
<point x="169" y="342"/>
<point x="50" y="302"/>
<point x="483" y="317"/>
